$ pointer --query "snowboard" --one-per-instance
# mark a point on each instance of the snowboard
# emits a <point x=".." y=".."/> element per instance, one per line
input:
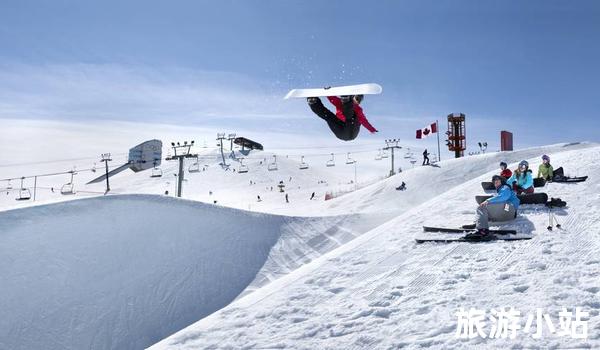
<point x="569" y="179"/>
<point x="534" y="198"/>
<point x="489" y="186"/>
<point x="361" y="89"/>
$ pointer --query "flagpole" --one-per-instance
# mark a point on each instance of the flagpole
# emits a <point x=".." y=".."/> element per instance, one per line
<point x="437" y="127"/>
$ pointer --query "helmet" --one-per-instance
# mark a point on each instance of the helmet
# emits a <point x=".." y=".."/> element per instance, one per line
<point x="503" y="164"/>
<point x="498" y="177"/>
<point x="525" y="163"/>
<point x="545" y="157"/>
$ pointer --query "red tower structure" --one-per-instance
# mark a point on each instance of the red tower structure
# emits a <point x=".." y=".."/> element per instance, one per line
<point x="506" y="140"/>
<point x="457" y="136"/>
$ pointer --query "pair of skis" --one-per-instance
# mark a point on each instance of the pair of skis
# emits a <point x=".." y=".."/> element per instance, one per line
<point x="504" y="235"/>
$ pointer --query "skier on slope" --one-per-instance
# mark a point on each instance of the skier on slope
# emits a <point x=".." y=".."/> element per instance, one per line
<point x="505" y="171"/>
<point x="348" y="117"/>
<point x="522" y="180"/>
<point x="545" y="170"/>
<point x="502" y="207"/>
<point x="425" y="157"/>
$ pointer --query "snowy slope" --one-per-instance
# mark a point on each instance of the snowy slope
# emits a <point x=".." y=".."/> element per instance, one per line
<point x="424" y="183"/>
<point x="104" y="272"/>
<point x="384" y="291"/>
<point x="122" y="272"/>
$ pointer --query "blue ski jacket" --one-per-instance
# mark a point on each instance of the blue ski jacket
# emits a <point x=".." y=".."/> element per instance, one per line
<point x="523" y="180"/>
<point x="505" y="195"/>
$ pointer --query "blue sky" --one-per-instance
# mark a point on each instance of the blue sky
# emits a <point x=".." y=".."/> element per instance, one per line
<point x="526" y="66"/>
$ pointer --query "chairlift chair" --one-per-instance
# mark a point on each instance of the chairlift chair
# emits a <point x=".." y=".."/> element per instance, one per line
<point x="384" y="154"/>
<point x="349" y="160"/>
<point x="303" y="165"/>
<point x="24" y="193"/>
<point x="243" y="168"/>
<point x="331" y="162"/>
<point x="68" y="188"/>
<point x="194" y="168"/>
<point x="273" y="166"/>
<point x="156" y="172"/>
<point x="378" y="156"/>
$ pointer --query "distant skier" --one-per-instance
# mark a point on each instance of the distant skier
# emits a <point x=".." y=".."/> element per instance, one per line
<point x="505" y="171"/>
<point x="348" y="117"/>
<point x="287" y="200"/>
<point x="312" y="196"/>
<point x="545" y="170"/>
<point x="402" y="187"/>
<point x="501" y="207"/>
<point x="521" y="180"/>
<point x="425" y="157"/>
<point x="259" y="200"/>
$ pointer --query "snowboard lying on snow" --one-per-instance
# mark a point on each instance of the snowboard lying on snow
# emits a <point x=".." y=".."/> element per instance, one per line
<point x="559" y="176"/>
<point x="497" y="235"/>
<point x="534" y="198"/>
<point x="569" y="179"/>
<point x="489" y="186"/>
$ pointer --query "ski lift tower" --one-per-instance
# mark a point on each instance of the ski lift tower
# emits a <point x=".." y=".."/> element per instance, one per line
<point x="231" y="138"/>
<point x="457" y="138"/>
<point x="392" y="144"/>
<point x="220" y="139"/>
<point x="180" y="152"/>
<point x="105" y="158"/>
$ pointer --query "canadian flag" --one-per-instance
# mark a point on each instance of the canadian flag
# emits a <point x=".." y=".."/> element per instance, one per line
<point x="426" y="131"/>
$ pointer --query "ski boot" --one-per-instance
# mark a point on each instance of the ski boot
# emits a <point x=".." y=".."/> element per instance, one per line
<point x="312" y="100"/>
<point x="482" y="234"/>
<point x="346" y="98"/>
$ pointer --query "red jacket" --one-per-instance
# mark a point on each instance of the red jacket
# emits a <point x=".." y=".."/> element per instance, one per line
<point x="337" y="102"/>
<point x="506" y="173"/>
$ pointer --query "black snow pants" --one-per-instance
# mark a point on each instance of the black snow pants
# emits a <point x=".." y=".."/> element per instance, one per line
<point x="347" y="130"/>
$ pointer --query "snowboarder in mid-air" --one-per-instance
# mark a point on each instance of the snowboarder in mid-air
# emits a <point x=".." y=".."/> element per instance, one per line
<point x="346" y="121"/>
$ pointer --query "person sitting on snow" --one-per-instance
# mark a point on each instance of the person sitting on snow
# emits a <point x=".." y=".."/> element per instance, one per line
<point x="521" y="180"/>
<point x="501" y="207"/>
<point x="545" y="171"/>
<point x="505" y="171"/>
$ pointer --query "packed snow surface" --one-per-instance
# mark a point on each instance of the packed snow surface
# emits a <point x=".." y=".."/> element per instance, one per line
<point x="127" y="271"/>
<point x="383" y="291"/>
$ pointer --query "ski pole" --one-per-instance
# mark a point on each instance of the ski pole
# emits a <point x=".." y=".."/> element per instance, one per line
<point x="558" y="225"/>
